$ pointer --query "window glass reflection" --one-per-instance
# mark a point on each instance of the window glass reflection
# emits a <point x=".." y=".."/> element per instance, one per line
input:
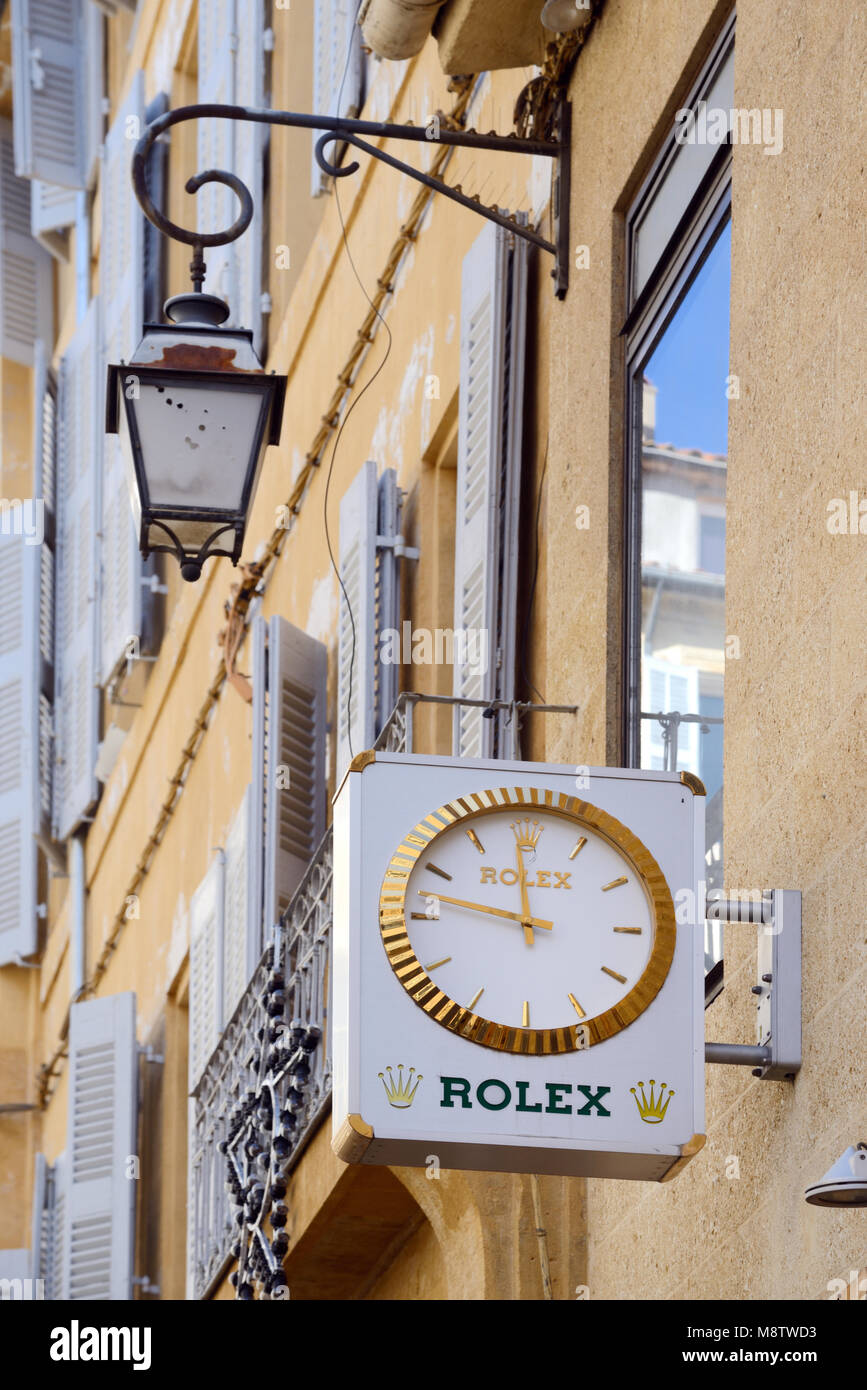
<point x="684" y="428"/>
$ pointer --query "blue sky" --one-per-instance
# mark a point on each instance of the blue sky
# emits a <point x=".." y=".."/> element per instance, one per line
<point x="691" y="363"/>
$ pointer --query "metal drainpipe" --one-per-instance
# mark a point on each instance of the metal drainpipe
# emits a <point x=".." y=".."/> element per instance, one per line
<point x="76" y="936"/>
<point x="397" y="28"/>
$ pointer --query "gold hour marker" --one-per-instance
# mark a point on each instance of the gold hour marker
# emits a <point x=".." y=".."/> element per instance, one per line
<point x="614" y="975"/>
<point x="579" y="846"/>
<point x="476" y="997"/>
<point x="423" y="917"/>
<point x="476" y="841"/>
<point x="525" y="1014"/>
<point x="615" y="883"/>
<point x="630" y="931"/>
<point x="434" y="963"/>
<point x="435" y="869"/>
<point x="576" y="1006"/>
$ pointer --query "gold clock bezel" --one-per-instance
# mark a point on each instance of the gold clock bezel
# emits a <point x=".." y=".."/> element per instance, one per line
<point x="463" y="1021"/>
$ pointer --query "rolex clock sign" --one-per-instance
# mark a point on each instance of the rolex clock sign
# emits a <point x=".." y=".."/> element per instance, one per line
<point x="513" y="988"/>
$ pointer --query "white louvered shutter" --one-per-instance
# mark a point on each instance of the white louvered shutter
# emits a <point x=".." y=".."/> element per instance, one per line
<point x="121" y="294"/>
<point x="76" y="705"/>
<point x="206" y="967"/>
<point x="56" y="1262"/>
<point x="49" y="1207"/>
<point x="669" y="688"/>
<point x="480" y="444"/>
<point x="237" y="950"/>
<point x="50" y="90"/>
<point x="512" y="404"/>
<point x="52" y="210"/>
<point x="15" y="1264"/>
<point x="102" y="1135"/>
<point x="41" y="712"/>
<point x="249" y="157"/>
<point x="295" y="765"/>
<point x="356" y="674"/>
<point x="256" y="850"/>
<point x="25" y="267"/>
<point x="387" y="591"/>
<point x="218" y="206"/>
<point x="40" y="1220"/>
<point x="337" y="71"/>
<point x="19" y="632"/>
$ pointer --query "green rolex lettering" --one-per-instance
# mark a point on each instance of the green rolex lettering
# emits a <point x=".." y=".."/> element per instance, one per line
<point x="522" y="1097"/>
<point x="593" y="1100"/>
<point x="456" y="1086"/>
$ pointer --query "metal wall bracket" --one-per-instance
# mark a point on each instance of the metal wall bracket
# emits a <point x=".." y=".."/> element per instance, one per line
<point x="777" y="1053"/>
<point x="341" y="132"/>
<point x="399" y="546"/>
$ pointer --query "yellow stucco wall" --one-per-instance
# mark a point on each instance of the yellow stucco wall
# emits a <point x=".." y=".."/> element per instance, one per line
<point x="795" y="596"/>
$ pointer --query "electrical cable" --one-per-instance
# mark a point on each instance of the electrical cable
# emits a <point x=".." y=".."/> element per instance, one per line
<point x="359" y="397"/>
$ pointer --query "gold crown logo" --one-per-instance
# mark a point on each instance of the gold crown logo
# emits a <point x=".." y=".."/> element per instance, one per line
<point x="527" y="835"/>
<point x="400" y="1092"/>
<point x="651" y="1109"/>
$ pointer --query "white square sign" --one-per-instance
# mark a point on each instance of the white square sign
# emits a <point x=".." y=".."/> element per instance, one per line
<point x="518" y="967"/>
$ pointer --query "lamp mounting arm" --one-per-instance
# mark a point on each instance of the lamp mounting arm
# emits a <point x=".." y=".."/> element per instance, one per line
<point x="340" y="130"/>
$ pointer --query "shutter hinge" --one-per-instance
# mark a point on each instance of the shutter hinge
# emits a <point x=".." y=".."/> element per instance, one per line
<point x="399" y="546"/>
<point x="151" y="581"/>
<point x="147" y="1052"/>
<point x="268" y="40"/>
<point x="265" y="303"/>
<point x="37" y="72"/>
<point x="142" y="1281"/>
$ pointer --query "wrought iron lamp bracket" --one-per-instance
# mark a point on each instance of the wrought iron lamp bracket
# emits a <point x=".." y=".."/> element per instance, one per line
<point x="352" y="132"/>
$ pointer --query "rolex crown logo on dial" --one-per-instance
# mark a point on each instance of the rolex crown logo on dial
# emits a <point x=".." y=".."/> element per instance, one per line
<point x="527" y="921"/>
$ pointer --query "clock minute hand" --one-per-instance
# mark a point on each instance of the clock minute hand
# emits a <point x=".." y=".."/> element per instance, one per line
<point x="492" y="911"/>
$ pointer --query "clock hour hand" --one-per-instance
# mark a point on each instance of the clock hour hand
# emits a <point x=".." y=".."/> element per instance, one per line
<point x="525" y="897"/>
<point x="492" y="911"/>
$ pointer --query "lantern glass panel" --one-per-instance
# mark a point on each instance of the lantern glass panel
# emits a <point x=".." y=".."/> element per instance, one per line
<point x="199" y="443"/>
<point x="192" y="535"/>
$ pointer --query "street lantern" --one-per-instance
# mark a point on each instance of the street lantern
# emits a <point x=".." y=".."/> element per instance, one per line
<point x="194" y="411"/>
<point x="194" y="408"/>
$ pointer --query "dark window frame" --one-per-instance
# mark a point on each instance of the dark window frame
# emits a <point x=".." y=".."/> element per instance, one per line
<point x="650" y="313"/>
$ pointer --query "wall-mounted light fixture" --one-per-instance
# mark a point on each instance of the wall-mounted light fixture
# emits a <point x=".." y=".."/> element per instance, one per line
<point x="195" y="412"/>
<point x="193" y="407"/>
<point x="565" y="15"/>
<point x="845" y="1183"/>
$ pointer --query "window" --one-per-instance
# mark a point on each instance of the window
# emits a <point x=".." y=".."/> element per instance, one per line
<point x="712" y="543"/>
<point x="490" y="445"/>
<point x="370" y="542"/>
<point x="337" y="72"/>
<point x="677" y="336"/>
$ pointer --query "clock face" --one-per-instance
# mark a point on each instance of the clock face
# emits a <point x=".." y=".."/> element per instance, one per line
<point x="527" y="921"/>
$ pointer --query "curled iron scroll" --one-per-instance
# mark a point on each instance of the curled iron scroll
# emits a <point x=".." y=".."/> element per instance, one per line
<point x="193" y="184"/>
<point x="335" y="171"/>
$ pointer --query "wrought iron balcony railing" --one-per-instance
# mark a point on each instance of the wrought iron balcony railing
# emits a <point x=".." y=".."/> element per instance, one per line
<point x="397" y="735"/>
<point x="251" y="1103"/>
